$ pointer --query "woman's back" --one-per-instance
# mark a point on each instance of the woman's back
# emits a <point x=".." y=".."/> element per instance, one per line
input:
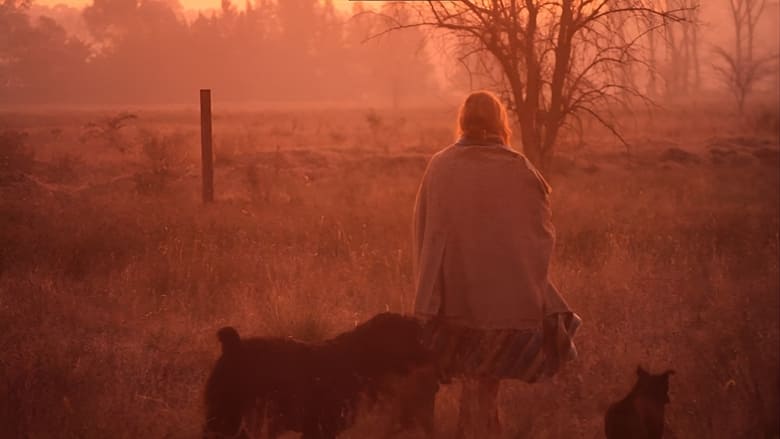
<point x="492" y="208"/>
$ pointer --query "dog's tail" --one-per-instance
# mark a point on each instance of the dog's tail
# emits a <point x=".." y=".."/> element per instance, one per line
<point x="231" y="341"/>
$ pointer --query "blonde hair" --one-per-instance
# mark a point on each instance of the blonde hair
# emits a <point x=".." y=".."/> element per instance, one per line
<point x="482" y="115"/>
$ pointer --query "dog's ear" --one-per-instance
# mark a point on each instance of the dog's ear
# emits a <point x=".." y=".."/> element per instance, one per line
<point x="641" y="372"/>
<point x="231" y="341"/>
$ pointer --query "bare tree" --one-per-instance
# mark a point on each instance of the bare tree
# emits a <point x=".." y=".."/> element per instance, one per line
<point x="682" y="60"/>
<point x="552" y="61"/>
<point x="741" y="70"/>
<point x="693" y="28"/>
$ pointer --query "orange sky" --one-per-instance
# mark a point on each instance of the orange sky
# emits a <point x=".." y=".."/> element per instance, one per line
<point x="188" y="4"/>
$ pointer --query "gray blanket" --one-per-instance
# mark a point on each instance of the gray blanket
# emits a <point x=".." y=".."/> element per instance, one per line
<point x="483" y="238"/>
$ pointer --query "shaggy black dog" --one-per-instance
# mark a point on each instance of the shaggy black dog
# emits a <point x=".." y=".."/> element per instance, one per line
<point x="640" y="415"/>
<point x="314" y="388"/>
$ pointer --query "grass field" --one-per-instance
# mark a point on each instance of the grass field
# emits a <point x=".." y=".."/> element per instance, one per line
<point x="114" y="278"/>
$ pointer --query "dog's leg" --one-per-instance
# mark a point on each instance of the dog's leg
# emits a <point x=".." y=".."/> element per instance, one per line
<point x="414" y="402"/>
<point x="424" y="402"/>
<point x="253" y="416"/>
<point x="314" y="428"/>
<point x="275" y="420"/>
<point x="224" y="420"/>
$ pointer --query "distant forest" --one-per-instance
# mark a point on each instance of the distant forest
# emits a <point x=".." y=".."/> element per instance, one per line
<point x="154" y="52"/>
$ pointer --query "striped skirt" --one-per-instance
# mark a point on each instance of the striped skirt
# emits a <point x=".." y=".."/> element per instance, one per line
<point x="527" y="355"/>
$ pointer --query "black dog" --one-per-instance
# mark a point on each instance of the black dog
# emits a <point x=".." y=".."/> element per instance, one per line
<point x="314" y="388"/>
<point x="640" y="415"/>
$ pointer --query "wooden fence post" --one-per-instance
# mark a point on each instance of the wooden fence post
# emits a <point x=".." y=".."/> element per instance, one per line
<point x="206" y="150"/>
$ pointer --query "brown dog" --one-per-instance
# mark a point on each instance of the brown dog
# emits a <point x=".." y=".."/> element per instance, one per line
<point x="314" y="388"/>
<point x="640" y="415"/>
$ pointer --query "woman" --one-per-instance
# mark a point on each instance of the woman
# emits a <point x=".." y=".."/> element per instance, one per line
<point x="483" y="241"/>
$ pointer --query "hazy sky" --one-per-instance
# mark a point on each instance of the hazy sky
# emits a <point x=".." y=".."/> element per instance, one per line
<point x="188" y="4"/>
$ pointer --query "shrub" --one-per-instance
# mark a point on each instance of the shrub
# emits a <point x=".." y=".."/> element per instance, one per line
<point x="64" y="168"/>
<point x="767" y="121"/>
<point x="375" y="126"/>
<point x="108" y="131"/>
<point x="15" y="154"/>
<point x="160" y="154"/>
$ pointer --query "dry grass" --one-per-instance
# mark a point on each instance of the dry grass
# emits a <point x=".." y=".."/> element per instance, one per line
<point x="110" y="296"/>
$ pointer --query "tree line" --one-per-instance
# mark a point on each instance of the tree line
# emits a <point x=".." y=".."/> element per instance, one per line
<point x="150" y="52"/>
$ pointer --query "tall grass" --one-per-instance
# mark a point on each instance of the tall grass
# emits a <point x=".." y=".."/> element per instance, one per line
<point x="109" y="300"/>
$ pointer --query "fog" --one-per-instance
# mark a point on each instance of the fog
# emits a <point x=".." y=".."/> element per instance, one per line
<point x="158" y="52"/>
<point x="116" y="274"/>
<point x="153" y="52"/>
